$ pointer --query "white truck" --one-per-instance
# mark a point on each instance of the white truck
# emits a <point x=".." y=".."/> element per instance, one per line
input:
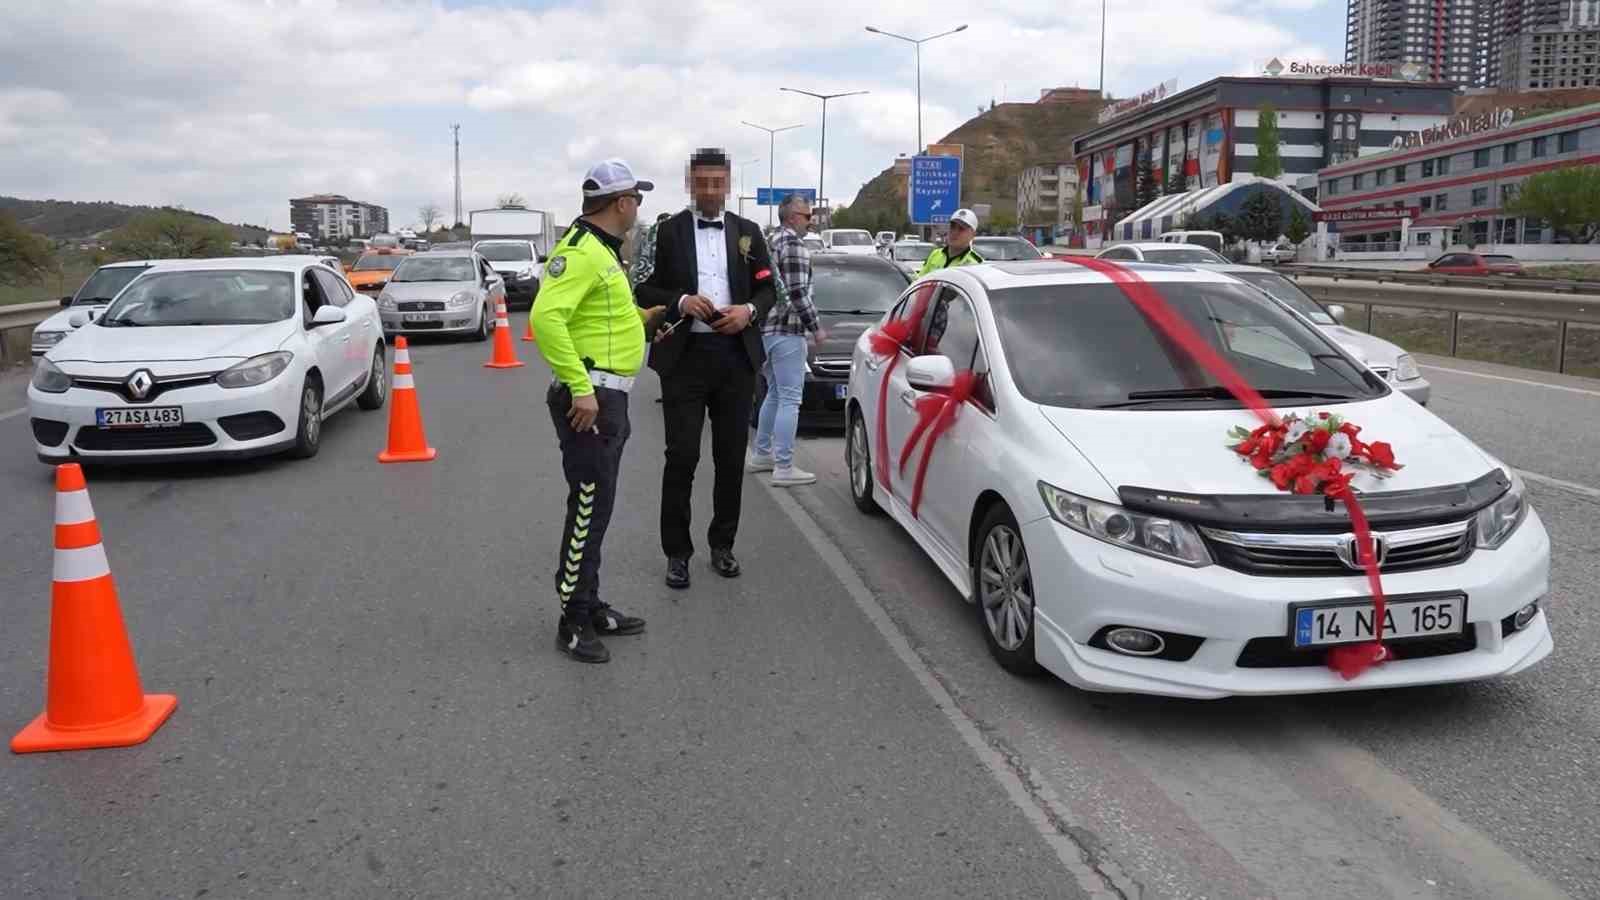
<point x="515" y="240"/>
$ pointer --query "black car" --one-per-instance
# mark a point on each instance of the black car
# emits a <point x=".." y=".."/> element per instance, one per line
<point x="852" y="293"/>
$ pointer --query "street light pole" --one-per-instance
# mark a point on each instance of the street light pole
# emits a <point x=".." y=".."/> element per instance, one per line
<point x="772" y="136"/>
<point x="917" y="42"/>
<point x="823" y="168"/>
<point x="741" y="182"/>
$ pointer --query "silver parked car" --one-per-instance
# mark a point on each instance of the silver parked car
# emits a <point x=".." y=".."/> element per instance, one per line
<point x="1388" y="361"/>
<point x="442" y="292"/>
<point x="910" y="255"/>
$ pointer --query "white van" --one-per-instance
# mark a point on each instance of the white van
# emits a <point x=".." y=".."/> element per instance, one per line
<point x="1211" y="240"/>
<point x="849" y="240"/>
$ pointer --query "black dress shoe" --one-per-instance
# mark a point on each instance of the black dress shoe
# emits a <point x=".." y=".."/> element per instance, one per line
<point x="580" y="642"/>
<point x="678" y="572"/>
<point x="609" y="620"/>
<point x="723" y="562"/>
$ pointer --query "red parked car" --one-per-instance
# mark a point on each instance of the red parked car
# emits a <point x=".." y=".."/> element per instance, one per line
<point x="1476" y="264"/>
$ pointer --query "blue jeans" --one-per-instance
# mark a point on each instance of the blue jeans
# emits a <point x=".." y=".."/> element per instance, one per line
<point x="780" y="412"/>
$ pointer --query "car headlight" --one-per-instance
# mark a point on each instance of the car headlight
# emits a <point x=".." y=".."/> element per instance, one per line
<point x="1405" y="368"/>
<point x="1165" y="538"/>
<point x="525" y="274"/>
<point x="462" y="300"/>
<point x="48" y="378"/>
<point x="255" y="370"/>
<point x="386" y="301"/>
<point x="48" y="338"/>
<point x="1499" y="519"/>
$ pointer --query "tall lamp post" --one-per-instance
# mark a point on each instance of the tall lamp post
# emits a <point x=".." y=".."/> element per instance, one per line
<point x="772" y="136"/>
<point x="822" y="169"/>
<point x="741" y="181"/>
<point x="917" y="42"/>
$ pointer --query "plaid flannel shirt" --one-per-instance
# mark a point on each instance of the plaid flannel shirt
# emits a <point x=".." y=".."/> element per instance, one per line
<point x="794" y="312"/>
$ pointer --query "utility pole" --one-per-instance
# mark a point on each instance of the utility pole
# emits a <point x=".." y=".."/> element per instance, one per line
<point x="456" y="129"/>
<point x="741" y="182"/>
<point x="918" y="42"/>
<point x="1102" y="49"/>
<point x="823" y="168"/>
<point x="772" y="136"/>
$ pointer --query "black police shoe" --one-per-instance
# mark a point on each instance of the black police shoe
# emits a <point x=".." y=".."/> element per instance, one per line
<point x="677" y="572"/>
<point x="724" y="563"/>
<point x="580" y="642"/>
<point x="609" y="620"/>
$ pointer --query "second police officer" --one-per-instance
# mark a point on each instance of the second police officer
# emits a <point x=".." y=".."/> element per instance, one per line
<point x="957" y="249"/>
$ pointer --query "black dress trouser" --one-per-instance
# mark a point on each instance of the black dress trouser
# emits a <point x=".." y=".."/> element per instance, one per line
<point x="713" y="376"/>
<point x="591" y="461"/>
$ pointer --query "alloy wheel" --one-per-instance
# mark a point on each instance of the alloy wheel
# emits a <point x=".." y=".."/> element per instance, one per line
<point x="1005" y="588"/>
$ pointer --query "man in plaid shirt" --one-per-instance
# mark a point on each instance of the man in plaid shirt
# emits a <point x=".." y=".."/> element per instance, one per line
<point x="784" y="333"/>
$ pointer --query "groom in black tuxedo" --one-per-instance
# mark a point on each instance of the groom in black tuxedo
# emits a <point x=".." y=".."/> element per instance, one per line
<point x="711" y="270"/>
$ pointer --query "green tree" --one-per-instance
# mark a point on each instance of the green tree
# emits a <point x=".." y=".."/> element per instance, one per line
<point x="1299" y="227"/>
<point x="1260" y="217"/>
<point x="1146" y="188"/>
<point x="171" y="234"/>
<point x="25" y="257"/>
<point x="1268" y="162"/>
<point x="1567" y="200"/>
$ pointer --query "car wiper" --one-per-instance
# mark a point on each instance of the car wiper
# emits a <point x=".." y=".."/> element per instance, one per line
<point x="1218" y="392"/>
<point x="121" y="323"/>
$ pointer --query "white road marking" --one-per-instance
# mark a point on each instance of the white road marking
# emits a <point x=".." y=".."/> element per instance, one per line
<point x="1529" y="382"/>
<point x="1573" y="486"/>
<point x="12" y="413"/>
<point x="1104" y="879"/>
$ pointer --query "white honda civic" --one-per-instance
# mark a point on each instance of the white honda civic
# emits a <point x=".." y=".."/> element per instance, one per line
<point x="1091" y="497"/>
<point x="209" y="358"/>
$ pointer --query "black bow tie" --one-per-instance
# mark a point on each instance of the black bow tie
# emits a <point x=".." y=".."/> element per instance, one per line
<point x="702" y="223"/>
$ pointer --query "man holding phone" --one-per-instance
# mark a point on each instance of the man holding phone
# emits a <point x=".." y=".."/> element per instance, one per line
<point x="712" y="271"/>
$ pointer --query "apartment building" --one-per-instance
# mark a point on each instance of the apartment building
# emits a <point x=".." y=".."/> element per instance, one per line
<point x="335" y="217"/>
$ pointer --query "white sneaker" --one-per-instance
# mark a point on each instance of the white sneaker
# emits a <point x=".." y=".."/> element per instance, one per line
<point x="791" y="476"/>
<point x="755" y="462"/>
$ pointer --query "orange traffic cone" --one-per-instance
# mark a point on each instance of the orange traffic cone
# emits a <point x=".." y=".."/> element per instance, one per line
<point x="407" y="443"/>
<point x="529" y="338"/>
<point x="505" y="357"/>
<point x="92" y="692"/>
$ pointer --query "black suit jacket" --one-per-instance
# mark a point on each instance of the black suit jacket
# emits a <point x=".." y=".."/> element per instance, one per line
<point x="673" y="271"/>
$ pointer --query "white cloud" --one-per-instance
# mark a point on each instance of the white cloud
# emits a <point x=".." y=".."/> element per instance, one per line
<point x="233" y="107"/>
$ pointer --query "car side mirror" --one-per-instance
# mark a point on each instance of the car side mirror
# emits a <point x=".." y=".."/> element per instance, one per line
<point x="931" y="373"/>
<point x="78" y="319"/>
<point x="1048" y="255"/>
<point x="327" y="315"/>
<point x="66" y="302"/>
<point x="1336" y="311"/>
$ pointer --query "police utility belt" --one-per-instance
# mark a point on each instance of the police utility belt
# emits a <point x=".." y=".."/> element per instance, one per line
<point x="602" y="378"/>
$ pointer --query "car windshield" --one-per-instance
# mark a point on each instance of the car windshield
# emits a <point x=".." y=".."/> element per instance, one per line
<point x="1500" y="260"/>
<point x="1088" y="346"/>
<point x="445" y="268"/>
<point x="997" y="249"/>
<point x="1288" y="292"/>
<point x="846" y="289"/>
<point x="507" y="252"/>
<point x="912" y="252"/>
<point x="1178" y="255"/>
<point x="852" y="239"/>
<point x="103" y="285"/>
<point x="227" y="297"/>
<point x="377" y="262"/>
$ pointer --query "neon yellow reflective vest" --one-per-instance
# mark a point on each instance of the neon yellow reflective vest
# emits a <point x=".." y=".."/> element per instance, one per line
<point x="940" y="259"/>
<point x="584" y="315"/>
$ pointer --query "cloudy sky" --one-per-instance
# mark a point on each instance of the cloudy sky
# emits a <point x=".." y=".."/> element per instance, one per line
<point x="230" y="108"/>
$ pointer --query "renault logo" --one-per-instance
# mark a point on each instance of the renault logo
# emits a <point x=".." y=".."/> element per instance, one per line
<point x="1350" y="554"/>
<point x="139" y="384"/>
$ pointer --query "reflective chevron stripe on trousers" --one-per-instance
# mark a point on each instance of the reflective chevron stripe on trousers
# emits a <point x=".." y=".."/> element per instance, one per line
<point x="591" y="461"/>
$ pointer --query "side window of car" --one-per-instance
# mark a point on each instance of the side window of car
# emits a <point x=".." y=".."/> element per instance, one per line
<point x="310" y="295"/>
<point x="908" y="305"/>
<point x="330" y="285"/>
<point x="951" y="330"/>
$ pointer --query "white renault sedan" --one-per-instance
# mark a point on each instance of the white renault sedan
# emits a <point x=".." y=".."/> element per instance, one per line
<point x="1087" y="501"/>
<point x="209" y="358"/>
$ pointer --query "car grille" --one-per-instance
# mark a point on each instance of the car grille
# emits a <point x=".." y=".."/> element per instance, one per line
<point x="251" y="425"/>
<point x="49" y="432"/>
<point x="192" y="434"/>
<point x="832" y="368"/>
<point x="158" y="386"/>
<point x="1322" y="555"/>
<point x="421" y="326"/>
<point x="422" y="306"/>
<point x="1279" y="653"/>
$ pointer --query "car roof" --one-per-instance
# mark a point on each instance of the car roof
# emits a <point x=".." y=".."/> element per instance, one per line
<point x="1152" y="245"/>
<point x="1232" y="268"/>
<point x="1060" y="270"/>
<point x="853" y="260"/>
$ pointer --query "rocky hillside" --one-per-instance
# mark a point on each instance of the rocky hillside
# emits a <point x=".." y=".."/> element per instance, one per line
<point x="999" y="144"/>
<point x="73" y="220"/>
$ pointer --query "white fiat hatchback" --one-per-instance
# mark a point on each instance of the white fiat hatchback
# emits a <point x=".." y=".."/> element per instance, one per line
<point x="1086" y="500"/>
<point x="209" y="358"/>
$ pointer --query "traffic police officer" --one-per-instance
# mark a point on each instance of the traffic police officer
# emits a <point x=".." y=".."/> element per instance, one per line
<point x="593" y="337"/>
<point x="957" y="250"/>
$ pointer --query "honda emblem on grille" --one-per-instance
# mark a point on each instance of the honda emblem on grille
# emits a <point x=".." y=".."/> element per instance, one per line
<point x="1350" y="554"/>
<point x="139" y="384"/>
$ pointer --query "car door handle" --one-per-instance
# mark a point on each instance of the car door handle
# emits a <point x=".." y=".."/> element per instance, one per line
<point x="909" y="398"/>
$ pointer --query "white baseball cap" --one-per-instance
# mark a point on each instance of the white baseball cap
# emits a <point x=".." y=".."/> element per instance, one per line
<point x="966" y="217"/>
<point x="612" y="176"/>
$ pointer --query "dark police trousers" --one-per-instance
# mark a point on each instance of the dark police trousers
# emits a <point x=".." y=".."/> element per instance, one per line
<point x="713" y="378"/>
<point x="591" y="461"/>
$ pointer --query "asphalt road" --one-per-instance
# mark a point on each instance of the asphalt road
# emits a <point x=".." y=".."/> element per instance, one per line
<point x="371" y="704"/>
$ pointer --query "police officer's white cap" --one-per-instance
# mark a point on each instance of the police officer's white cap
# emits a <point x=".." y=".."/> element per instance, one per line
<point x="612" y="176"/>
<point x="966" y="217"/>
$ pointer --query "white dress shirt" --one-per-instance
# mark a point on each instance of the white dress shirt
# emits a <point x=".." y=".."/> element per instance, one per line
<point x="711" y="258"/>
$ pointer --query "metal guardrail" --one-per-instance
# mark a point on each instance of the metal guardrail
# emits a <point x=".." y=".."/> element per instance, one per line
<point x="1522" y="283"/>
<point x="16" y="327"/>
<point x="1455" y="299"/>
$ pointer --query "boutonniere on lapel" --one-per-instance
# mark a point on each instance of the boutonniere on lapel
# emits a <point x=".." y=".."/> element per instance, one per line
<point x="744" y="247"/>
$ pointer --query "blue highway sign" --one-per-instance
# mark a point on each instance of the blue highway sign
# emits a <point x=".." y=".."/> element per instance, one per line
<point x="774" y="196"/>
<point x="935" y="189"/>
